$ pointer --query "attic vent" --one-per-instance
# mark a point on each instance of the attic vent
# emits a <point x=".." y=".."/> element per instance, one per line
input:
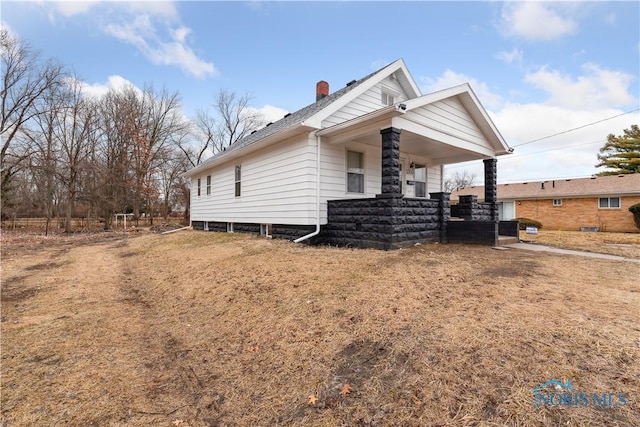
<point x="287" y="115"/>
<point x="350" y="83"/>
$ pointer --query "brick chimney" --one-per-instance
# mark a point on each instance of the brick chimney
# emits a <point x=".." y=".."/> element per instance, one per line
<point x="322" y="90"/>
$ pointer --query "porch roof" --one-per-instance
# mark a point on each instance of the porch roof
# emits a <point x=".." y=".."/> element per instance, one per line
<point x="449" y="126"/>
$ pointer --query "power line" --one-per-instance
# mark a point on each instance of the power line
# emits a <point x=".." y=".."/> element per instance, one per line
<point x="515" y="156"/>
<point x="579" y="127"/>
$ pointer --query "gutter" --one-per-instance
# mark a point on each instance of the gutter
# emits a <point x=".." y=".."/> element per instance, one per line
<point x="317" y="230"/>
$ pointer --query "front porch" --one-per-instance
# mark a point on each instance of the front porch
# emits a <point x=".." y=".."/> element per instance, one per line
<point x="391" y="221"/>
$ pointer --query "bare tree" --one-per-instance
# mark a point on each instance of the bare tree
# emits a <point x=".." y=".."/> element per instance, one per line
<point x="24" y="80"/>
<point x="160" y="123"/>
<point x="232" y="119"/>
<point x="111" y="174"/>
<point x="76" y="132"/>
<point x="459" y="180"/>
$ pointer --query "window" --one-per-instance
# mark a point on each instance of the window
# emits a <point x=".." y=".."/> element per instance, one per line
<point x="238" y="180"/>
<point x="388" y="99"/>
<point x="198" y="187"/>
<point x="609" y="203"/>
<point x="266" y="230"/>
<point x="420" y="180"/>
<point x="557" y="202"/>
<point x="208" y="185"/>
<point x="355" y="172"/>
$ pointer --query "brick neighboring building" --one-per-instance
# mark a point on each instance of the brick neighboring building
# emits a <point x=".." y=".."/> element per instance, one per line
<point x="569" y="204"/>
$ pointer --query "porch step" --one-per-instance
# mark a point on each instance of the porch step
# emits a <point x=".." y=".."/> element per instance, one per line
<point x="507" y="240"/>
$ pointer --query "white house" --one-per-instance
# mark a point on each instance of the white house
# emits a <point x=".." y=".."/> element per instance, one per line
<point x="377" y="139"/>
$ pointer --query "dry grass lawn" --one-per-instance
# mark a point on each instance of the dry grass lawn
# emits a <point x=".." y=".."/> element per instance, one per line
<point x="215" y="329"/>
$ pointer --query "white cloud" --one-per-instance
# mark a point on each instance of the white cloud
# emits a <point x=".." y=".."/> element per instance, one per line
<point x="451" y="78"/>
<point x="510" y="57"/>
<point x="72" y="8"/>
<point x="537" y="20"/>
<point x="143" y="34"/>
<point x="270" y="113"/>
<point x="153" y="27"/>
<point x="596" y="88"/>
<point x="97" y="90"/>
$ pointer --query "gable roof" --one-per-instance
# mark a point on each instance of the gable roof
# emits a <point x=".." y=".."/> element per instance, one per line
<point x="614" y="185"/>
<point x="474" y="107"/>
<point x="309" y="117"/>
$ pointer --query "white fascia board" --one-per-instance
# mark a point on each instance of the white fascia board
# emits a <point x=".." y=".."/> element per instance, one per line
<point x="351" y="126"/>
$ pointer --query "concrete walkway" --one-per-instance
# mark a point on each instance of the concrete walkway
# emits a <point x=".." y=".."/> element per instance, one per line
<point x="542" y="248"/>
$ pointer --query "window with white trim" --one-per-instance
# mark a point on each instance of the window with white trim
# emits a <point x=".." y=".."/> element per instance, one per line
<point x="238" y="181"/>
<point x="199" y="187"/>
<point x="388" y="98"/>
<point x="557" y="202"/>
<point x="609" y="203"/>
<point x="420" y="181"/>
<point x="355" y="172"/>
<point x="208" y="185"/>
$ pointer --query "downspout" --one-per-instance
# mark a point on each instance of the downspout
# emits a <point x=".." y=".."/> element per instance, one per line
<point x="317" y="230"/>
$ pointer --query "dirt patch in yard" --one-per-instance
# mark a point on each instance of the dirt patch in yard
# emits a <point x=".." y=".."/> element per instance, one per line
<point x="216" y="329"/>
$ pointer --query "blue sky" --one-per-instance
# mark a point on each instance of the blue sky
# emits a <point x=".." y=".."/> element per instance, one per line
<point x="539" y="68"/>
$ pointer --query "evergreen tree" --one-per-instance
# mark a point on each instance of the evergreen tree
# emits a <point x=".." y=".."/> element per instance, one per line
<point x="621" y="154"/>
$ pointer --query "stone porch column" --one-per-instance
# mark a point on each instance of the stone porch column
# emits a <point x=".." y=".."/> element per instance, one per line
<point x="390" y="163"/>
<point x="491" y="186"/>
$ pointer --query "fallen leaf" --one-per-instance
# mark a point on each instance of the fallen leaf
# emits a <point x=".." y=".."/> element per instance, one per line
<point x="346" y="389"/>
<point x="312" y="399"/>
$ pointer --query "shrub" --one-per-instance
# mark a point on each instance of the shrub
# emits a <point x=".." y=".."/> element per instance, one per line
<point x="635" y="210"/>
<point x="527" y="222"/>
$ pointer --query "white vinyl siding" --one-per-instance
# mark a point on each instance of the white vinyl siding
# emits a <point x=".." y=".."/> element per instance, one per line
<point x="366" y="103"/>
<point x="277" y="187"/>
<point x="449" y="116"/>
<point x="434" y="179"/>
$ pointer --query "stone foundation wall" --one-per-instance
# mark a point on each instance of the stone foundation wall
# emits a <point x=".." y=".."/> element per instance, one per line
<point x="386" y="223"/>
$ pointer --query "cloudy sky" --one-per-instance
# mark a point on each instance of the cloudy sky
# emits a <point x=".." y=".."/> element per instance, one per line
<point x="556" y="78"/>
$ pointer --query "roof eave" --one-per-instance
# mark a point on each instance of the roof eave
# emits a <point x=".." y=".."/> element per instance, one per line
<point x="227" y="156"/>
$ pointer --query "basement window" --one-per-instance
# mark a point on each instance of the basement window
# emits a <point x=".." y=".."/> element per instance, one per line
<point x="557" y="202"/>
<point x="266" y="230"/>
<point x="609" y="203"/>
<point x="355" y="172"/>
